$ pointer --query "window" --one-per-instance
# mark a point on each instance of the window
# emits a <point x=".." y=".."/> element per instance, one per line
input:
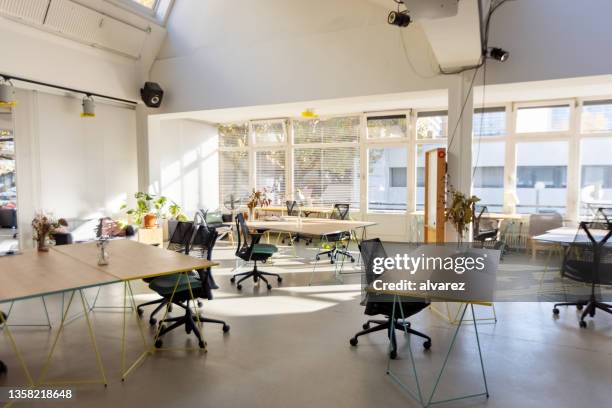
<point x="541" y="179"/>
<point x="596" y="173"/>
<point x="326" y="168"/>
<point x="324" y="176"/>
<point x="234" y="175"/>
<point x="150" y="4"/>
<point x="432" y="125"/>
<point x="387" y="127"/>
<point x="489" y="122"/>
<point x="488" y="159"/>
<point x="270" y="174"/>
<point x="8" y="187"/>
<point x="269" y="132"/>
<point x="543" y="119"/>
<point x="233" y="135"/>
<point x="397" y="175"/>
<point x="387" y="179"/>
<point x="334" y="130"/>
<point x="596" y="116"/>
<point x="420" y="171"/>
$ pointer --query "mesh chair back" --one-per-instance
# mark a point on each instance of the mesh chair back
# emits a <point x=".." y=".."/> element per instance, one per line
<point x="589" y="257"/>
<point x="243" y="235"/>
<point x="181" y="237"/>
<point x="340" y="211"/>
<point x="370" y="250"/>
<point x="540" y="223"/>
<point x="291" y="210"/>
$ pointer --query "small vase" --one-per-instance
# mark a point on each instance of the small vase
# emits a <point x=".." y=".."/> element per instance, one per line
<point x="252" y="214"/>
<point x="41" y="245"/>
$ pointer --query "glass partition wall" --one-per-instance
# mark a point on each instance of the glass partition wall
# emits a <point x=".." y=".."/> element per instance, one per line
<point x="8" y="184"/>
<point x="551" y="156"/>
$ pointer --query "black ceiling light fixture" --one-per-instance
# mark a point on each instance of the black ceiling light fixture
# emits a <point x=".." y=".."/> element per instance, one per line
<point x="498" y="54"/>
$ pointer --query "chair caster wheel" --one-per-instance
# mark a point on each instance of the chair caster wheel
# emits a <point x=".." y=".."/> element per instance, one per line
<point x="140" y="312"/>
<point x="318" y="258"/>
<point x="152" y="321"/>
<point x="269" y="286"/>
<point x="555" y="311"/>
<point x="226" y="328"/>
<point x="354" y="341"/>
<point x="232" y="279"/>
<point x="366" y="326"/>
<point x="202" y="344"/>
<point x="159" y="343"/>
<point x="255" y="279"/>
<point x="329" y="255"/>
<point x="239" y="287"/>
<point x="583" y="324"/>
<point x="353" y="260"/>
<point x="279" y="279"/>
<point x="331" y="261"/>
<point x="578" y="307"/>
<point x="199" y="303"/>
<point x="427" y="345"/>
<point x="393" y="354"/>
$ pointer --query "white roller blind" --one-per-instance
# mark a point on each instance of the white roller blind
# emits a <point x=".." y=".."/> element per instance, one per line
<point x="333" y="130"/>
<point x="270" y="174"/>
<point x="233" y="162"/>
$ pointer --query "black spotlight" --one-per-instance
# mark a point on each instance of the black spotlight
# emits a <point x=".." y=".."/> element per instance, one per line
<point x="498" y="54"/>
<point x="152" y="94"/>
<point x="399" y="18"/>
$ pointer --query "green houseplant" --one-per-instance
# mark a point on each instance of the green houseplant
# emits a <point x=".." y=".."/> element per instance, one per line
<point x="461" y="211"/>
<point x="149" y="208"/>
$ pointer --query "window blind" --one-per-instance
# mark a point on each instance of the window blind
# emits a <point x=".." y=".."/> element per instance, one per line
<point x="234" y="175"/>
<point x="270" y="174"/>
<point x="233" y="135"/>
<point x="333" y="130"/>
<point x="268" y="132"/>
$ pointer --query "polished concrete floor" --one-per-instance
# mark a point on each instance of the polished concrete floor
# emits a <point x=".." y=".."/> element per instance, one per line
<point x="289" y="348"/>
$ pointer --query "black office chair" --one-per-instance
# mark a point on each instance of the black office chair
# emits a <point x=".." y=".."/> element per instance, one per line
<point x="589" y="261"/>
<point x="293" y="210"/>
<point x="62" y="238"/>
<point x="486" y="231"/>
<point x="252" y="251"/>
<point x="339" y="242"/>
<point x="179" y="242"/>
<point x="201" y="284"/>
<point x="382" y="304"/>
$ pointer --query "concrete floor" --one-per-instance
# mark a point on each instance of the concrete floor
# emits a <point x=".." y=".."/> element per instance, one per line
<point x="289" y="348"/>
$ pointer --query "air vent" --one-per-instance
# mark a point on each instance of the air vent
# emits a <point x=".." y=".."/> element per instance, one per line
<point x="32" y="11"/>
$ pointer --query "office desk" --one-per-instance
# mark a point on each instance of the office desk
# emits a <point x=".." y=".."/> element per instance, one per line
<point x="72" y="268"/>
<point x="305" y="210"/>
<point x="566" y="235"/>
<point x="480" y="288"/>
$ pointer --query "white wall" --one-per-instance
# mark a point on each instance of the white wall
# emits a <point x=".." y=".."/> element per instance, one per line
<point x="184" y="163"/>
<point x="71" y="166"/>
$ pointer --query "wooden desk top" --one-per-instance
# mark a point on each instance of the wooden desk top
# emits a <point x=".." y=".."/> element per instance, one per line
<point x="310" y="226"/>
<point x="33" y="273"/>
<point x="130" y="260"/>
<point x="569" y="235"/>
<point x="281" y="209"/>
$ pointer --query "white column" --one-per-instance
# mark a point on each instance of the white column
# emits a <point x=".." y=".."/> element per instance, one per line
<point x="459" y="152"/>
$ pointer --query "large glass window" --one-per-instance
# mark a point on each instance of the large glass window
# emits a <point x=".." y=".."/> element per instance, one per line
<point x="432" y="125"/>
<point x="488" y="182"/>
<point x="420" y="171"/>
<point x="269" y="132"/>
<point x="270" y="174"/>
<point x="541" y="179"/>
<point x="489" y="122"/>
<point x="596" y="174"/>
<point x="333" y="130"/>
<point x="387" y="174"/>
<point x="387" y="127"/>
<point x="233" y="135"/>
<point x="234" y="175"/>
<point x="8" y="186"/>
<point x="596" y="116"/>
<point x="543" y="119"/>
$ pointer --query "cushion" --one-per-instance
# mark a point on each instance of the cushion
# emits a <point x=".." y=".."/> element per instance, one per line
<point x="165" y="284"/>
<point x="264" y="249"/>
<point x="214" y="217"/>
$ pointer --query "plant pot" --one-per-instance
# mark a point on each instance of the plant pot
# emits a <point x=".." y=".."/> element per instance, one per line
<point x="150" y="221"/>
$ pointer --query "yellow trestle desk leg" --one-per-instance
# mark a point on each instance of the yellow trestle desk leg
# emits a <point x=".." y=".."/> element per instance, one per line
<point x="8" y="334"/>
<point x="102" y="379"/>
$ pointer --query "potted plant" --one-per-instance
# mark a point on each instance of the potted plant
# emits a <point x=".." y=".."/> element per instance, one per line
<point x="43" y="225"/>
<point x="152" y="211"/>
<point x="257" y="198"/>
<point x="460" y="212"/>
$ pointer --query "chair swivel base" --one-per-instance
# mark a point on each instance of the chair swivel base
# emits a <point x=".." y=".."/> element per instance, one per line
<point x="384" y="325"/>
<point x="333" y="254"/>
<point x="589" y="306"/>
<point x="256" y="274"/>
